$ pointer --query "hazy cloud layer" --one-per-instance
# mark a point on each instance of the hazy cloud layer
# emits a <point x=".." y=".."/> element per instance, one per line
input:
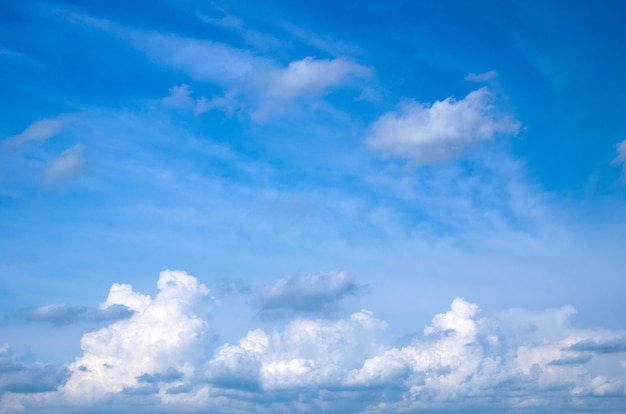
<point x="432" y="134"/>
<point x="157" y="358"/>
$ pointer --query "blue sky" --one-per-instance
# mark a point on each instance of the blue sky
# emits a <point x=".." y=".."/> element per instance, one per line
<point x="282" y="206"/>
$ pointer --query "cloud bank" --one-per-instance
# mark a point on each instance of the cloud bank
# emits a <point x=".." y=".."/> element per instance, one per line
<point x="432" y="134"/>
<point x="158" y="360"/>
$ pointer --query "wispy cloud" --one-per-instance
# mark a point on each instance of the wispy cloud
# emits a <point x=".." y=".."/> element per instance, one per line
<point x="621" y="155"/>
<point x="39" y="131"/>
<point x="432" y="134"/>
<point x="66" y="167"/>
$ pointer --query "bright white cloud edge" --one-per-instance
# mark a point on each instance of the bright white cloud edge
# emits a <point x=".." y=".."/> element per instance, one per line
<point x="432" y="134"/>
<point x="520" y="359"/>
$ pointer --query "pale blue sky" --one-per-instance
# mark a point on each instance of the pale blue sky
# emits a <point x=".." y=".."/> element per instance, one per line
<point x="375" y="203"/>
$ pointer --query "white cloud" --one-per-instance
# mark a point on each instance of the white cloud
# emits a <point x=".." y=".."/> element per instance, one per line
<point x="156" y="359"/>
<point x="181" y="97"/>
<point x="481" y="77"/>
<point x="621" y="155"/>
<point x="259" y="84"/>
<point x="203" y="60"/>
<point x="66" y="167"/>
<point x="160" y="335"/>
<point x="308" y="77"/>
<point x="431" y="134"/>
<point x="39" y="131"/>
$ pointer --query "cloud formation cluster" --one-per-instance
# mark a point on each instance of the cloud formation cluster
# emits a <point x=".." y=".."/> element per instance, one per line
<point x="157" y="358"/>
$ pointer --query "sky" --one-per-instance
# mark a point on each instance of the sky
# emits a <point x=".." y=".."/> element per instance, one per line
<point x="313" y="206"/>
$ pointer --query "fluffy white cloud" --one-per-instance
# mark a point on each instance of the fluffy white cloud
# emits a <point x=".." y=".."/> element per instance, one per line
<point x="308" y="77"/>
<point x="156" y="360"/>
<point x="431" y="134"/>
<point x="159" y="336"/>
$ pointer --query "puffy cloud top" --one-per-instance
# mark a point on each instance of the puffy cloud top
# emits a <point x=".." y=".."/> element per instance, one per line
<point x="431" y="134"/>
<point x="157" y="359"/>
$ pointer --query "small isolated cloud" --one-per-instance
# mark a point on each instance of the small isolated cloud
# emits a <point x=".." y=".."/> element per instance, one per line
<point x="310" y="76"/>
<point x="181" y="97"/>
<point x="311" y="293"/>
<point x="621" y="155"/>
<point x="432" y="134"/>
<point x="39" y="131"/>
<point x="481" y="77"/>
<point x="66" y="167"/>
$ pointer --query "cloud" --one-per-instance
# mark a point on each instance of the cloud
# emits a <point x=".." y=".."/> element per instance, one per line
<point x="309" y="293"/>
<point x="203" y="60"/>
<point x="307" y="77"/>
<point x="608" y="346"/>
<point x="621" y="155"/>
<point x="59" y="314"/>
<point x="66" y="167"/>
<point x="259" y="84"/>
<point x="180" y="97"/>
<point x="39" y="131"/>
<point x="17" y="377"/>
<point x="158" y="338"/>
<point x="481" y="77"/>
<point x="432" y="134"/>
<point x="156" y="360"/>
<point x="63" y="314"/>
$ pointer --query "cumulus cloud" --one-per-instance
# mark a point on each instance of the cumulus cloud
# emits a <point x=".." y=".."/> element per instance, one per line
<point x="66" y="167"/>
<point x="39" y="131"/>
<point x="432" y="134"/>
<point x="307" y="293"/>
<point x="156" y="361"/>
<point x="158" y="338"/>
